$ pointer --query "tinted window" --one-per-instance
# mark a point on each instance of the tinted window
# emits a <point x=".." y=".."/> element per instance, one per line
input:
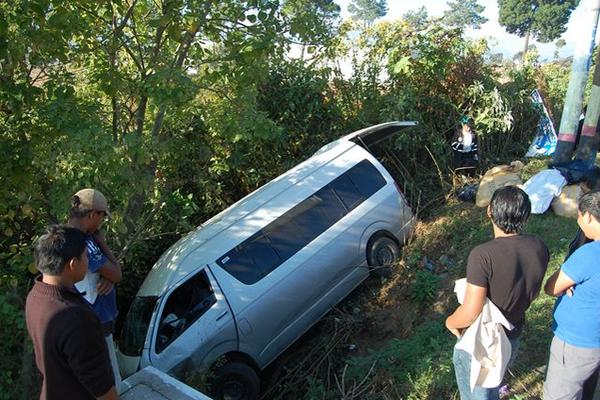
<point x="239" y="264"/>
<point x="366" y="177"/>
<point x="347" y="192"/>
<point x="184" y="306"/>
<point x="325" y="210"/>
<point x="260" y="254"/>
<point x="284" y="235"/>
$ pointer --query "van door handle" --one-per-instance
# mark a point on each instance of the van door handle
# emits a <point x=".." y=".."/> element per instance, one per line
<point x="222" y="315"/>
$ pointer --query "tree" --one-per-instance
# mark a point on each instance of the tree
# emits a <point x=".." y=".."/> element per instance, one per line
<point x="151" y="101"/>
<point x="543" y="20"/>
<point x="559" y="44"/>
<point x="416" y="18"/>
<point x="532" y="49"/>
<point x="465" y="13"/>
<point x="367" y="11"/>
<point x="140" y="61"/>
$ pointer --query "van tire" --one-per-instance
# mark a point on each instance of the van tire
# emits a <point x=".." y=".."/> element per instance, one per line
<point x="236" y="381"/>
<point x="382" y="250"/>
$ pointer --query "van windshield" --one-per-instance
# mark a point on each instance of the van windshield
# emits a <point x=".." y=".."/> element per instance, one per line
<point x="136" y="325"/>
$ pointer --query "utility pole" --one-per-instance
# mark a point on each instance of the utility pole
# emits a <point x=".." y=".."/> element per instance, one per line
<point x="588" y="142"/>
<point x="579" y="76"/>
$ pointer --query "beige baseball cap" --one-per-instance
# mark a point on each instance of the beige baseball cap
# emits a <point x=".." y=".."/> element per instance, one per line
<point x="92" y="199"/>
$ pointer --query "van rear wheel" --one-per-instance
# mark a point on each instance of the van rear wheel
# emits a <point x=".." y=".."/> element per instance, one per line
<point x="237" y="381"/>
<point x="382" y="251"/>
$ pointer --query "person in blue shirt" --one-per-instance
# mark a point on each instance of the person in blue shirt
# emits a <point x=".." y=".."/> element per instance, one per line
<point x="590" y="183"/>
<point x="575" y="348"/>
<point x="89" y="209"/>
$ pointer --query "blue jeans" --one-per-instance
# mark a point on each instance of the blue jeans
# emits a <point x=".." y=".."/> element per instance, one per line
<point x="462" y="369"/>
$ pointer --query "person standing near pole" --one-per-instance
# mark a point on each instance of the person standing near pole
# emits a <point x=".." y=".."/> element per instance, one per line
<point x="575" y="348"/>
<point x="89" y="209"/>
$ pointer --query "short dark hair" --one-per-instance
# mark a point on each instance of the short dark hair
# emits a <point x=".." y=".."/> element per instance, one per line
<point x="59" y="245"/>
<point x="592" y="179"/>
<point x="510" y="208"/>
<point x="77" y="211"/>
<point x="590" y="202"/>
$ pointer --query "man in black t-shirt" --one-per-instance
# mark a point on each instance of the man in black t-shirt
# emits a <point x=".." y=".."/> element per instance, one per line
<point x="508" y="271"/>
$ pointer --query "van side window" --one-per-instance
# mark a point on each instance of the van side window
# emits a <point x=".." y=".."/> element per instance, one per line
<point x="325" y="210"/>
<point x="264" y="251"/>
<point x="286" y="238"/>
<point x="239" y="264"/>
<point x="264" y="256"/>
<point x="347" y="192"/>
<point x="184" y="306"/>
<point x="367" y="178"/>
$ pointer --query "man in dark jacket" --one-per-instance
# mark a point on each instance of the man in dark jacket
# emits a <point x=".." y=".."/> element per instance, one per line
<point x="70" y="350"/>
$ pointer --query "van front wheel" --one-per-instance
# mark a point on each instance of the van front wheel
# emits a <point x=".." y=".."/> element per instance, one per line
<point x="382" y="251"/>
<point x="237" y="381"/>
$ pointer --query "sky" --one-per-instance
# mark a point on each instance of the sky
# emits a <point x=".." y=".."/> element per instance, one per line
<point x="502" y="41"/>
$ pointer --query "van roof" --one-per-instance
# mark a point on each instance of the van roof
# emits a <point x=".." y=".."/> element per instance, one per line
<point x="170" y="267"/>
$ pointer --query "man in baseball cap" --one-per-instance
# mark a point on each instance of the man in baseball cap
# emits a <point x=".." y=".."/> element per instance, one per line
<point x="92" y="199"/>
<point x="89" y="209"/>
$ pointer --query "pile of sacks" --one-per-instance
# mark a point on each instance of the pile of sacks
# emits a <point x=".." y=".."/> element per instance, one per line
<point x="554" y="187"/>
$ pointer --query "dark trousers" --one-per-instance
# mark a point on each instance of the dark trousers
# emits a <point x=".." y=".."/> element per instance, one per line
<point x="464" y="163"/>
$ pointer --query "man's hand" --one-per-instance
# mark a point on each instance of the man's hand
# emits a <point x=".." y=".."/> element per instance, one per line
<point x="112" y="269"/>
<point x="455" y="331"/>
<point x="467" y="312"/>
<point x="559" y="283"/>
<point x="104" y="286"/>
<point x="110" y="395"/>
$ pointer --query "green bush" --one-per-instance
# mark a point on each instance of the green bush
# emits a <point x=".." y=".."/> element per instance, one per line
<point x="12" y="337"/>
<point x="425" y="287"/>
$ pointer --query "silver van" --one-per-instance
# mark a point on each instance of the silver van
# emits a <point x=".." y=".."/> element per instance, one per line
<point x="251" y="280"/>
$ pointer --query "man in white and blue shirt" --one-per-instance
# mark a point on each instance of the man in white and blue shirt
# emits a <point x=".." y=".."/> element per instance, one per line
<point x="89" y="209"/>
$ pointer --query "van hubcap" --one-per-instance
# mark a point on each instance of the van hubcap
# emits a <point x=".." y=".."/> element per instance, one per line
<point x="385" y="256"/>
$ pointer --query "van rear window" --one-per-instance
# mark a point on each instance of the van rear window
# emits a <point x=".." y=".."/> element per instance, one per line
<point x="264" y="251"/>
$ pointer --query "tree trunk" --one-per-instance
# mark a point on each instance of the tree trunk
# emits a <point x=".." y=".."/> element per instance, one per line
<point x="575" y="92"/>
<point x="525" y="47"/>
<point x="137" y="200"/>
<point x="588" y="142"/>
